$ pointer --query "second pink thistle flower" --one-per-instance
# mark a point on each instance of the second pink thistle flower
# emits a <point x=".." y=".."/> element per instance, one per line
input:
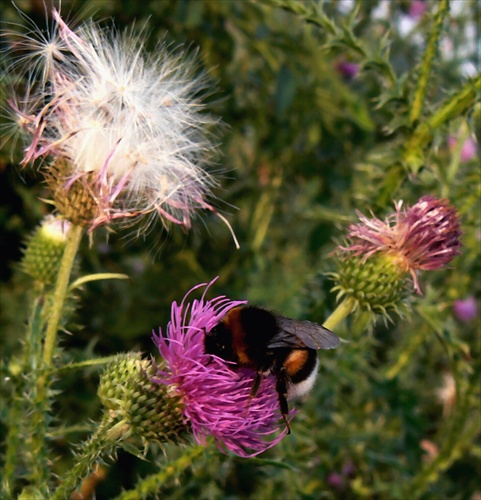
<point x="378" y="255"/>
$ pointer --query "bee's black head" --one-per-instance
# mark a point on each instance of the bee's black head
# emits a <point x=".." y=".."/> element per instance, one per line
<point x="218" y="341"/>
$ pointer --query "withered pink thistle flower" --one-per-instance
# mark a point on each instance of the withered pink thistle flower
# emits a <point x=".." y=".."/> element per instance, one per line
<point x="120" y="132"/>
<point x="423" y="237"/>
<point x="214" y="399"/>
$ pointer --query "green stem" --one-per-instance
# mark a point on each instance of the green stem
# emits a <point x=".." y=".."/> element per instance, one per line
<point x="263" y="213"/>
<point x="343" y="310"/>
<point x="453" y="167"/>
<point x="456" y="440"/>
<point x="12" y="443"/>
<point x="19" y="420"/>
<point x="454" y="106"/>
<point x="406" y="355"/>
<point x="429" y="57"/>
<point x="102" y="442"/>
<point x="313" y="13"/>
<point x="152" y="484"/>
<point x="457" y="104"/>
<point x="72" y="243"/>
<point x="41" y="364"/>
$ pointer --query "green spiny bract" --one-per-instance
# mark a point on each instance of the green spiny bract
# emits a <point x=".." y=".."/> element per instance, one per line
<point x="376" y="284"/>
<point x="146" y="409"/>
<point x="44" y="251"/>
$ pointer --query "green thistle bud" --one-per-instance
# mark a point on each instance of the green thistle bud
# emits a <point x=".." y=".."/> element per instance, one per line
<point x="137" y="405"/>
<point x="377" y="284"/>
<point x="45" y="249"/>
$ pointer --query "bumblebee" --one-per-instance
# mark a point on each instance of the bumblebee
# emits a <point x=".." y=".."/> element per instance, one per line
<point x="255" y="338"/>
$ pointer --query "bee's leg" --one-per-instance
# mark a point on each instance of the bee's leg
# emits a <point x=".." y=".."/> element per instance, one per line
<point x="281" y="388"/>
<point x="256" y="385"/>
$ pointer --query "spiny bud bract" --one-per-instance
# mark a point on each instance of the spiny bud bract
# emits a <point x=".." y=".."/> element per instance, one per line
<point x="376" y="285"/>
<point x="146" y="409"/>
<point x="44" y="251"/>
<point x="77" y="204"/>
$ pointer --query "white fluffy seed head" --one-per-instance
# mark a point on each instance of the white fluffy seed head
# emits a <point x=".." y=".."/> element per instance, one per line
<point x="129" y="121"/>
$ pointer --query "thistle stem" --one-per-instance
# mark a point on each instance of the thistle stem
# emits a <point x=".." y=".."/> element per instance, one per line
<point x="343" y="310"/>
<point x="42" y="363"/>
<point x="152" y="484"/>
<point x="12" y="444"/>
<point x="102" y="442"/>
<point x="74" y="236"/>
<point x="313" y="13"/>
<point x="21" y="414"/>
<point x="453" y="166"/>
<point x="455" y="105"/>
<point x="457" y="437"/>
<point x="429" y="57"/>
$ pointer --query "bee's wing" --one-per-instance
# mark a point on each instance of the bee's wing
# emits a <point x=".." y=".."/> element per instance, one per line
<point x="294" y="333"/>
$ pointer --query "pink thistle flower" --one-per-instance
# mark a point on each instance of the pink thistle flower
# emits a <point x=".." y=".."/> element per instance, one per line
<point x="216" y="399"/>
<point x="118" y="128"/>
<point x="423" y="237"/>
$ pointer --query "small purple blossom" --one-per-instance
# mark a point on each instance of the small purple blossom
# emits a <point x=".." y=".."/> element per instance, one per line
<point x="339" y="481"/>
<point x="335" y="480"/>
<point x="466" y="309"/>
<point x="347" y="69"/>
<point x="423" y="237"/>
<point x="469" y="149"/>
<point x="348" y="469"/>
<point x="417" y="8"/>
<point x="216" y="399"/>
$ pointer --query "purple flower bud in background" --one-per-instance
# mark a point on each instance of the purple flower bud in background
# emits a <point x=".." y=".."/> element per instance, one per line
<point x="348" y="469"/>
<point x="335" y="480"/>
<point x="417" y="8"/>
<point x="469" y="149"/>
<point x="347" y="69"/>
<point x="466" y="309"/>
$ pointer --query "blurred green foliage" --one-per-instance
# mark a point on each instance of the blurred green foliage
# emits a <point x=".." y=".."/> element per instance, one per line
<point x="304" y="146"/>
